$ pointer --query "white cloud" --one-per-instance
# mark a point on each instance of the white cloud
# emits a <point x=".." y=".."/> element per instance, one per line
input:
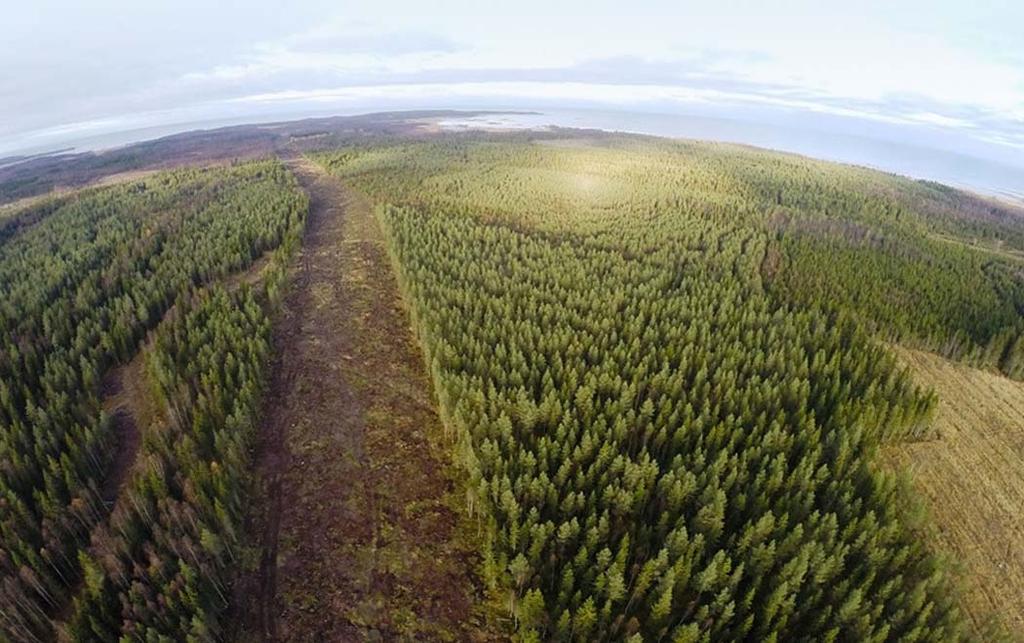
<point x="611" y="94"/>
<point x="915" y="64"/>
<point x="929" y="118"/>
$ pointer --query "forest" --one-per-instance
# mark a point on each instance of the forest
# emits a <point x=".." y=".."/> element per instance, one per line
<point x="665" y="370"/>
<point x="916" y="262"/>
<point x="83" y="284"/>
<point x="661" y="366"/>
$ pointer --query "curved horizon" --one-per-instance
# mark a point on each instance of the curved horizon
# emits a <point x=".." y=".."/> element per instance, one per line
<point x="935" y="75"/>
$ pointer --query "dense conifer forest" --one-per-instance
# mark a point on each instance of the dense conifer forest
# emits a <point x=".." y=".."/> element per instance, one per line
<point x="159" y="568"/>
<point x="665" y="370"/>
<point x="915" y="261"/>
<point x="82" y="284"/>
<point x="661" y="366"/>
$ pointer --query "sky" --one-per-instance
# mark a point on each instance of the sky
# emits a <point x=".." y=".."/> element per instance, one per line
<point x="941" y="73"/>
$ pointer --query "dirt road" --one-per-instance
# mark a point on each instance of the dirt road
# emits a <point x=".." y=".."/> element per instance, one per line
<point x="360" y="517"/>
<point x="123" y="400"/>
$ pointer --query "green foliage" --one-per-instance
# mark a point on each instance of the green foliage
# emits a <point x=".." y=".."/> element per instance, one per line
<point x="662" y="447"/>
<point x="933" y="294"/>
<point x="79" y="288"/>
<point x="922" y="264"/>
<point x="167" y="555"/>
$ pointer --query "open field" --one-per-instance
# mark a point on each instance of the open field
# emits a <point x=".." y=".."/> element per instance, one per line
<point x="972" y="479"/>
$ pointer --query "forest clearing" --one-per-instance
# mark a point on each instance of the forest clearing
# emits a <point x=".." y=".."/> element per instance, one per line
<point x="971" y="478"/>
<point x="375" y="543"/>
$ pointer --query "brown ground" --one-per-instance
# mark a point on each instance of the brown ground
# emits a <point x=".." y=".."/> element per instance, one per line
<point x="362" y="528"/>
<point x="251" y="275"/>
<point x="972" y="480"/>
<point x="45" y="173"/>
<point x="130" y="405"/>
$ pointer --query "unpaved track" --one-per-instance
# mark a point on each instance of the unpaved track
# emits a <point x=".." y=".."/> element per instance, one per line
<point x="130" y="407"/>
<point x="362" y="535"/>
<point x="122" y="401"/>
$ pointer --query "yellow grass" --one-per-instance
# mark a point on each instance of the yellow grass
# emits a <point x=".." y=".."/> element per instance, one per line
<point x="972" y="480"/>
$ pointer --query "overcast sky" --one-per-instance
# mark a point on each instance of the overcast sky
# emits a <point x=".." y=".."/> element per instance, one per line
<point x="943" y="70"/>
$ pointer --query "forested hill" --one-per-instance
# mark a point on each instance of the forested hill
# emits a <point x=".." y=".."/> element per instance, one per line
<point x="662" y="366"/>
<point x="917" y="262"/>
<point x="82" y="283"/>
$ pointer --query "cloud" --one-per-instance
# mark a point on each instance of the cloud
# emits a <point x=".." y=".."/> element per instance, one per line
<point x="338" y="52"/>
<point x="618" y="94"/>
<point x="694" y="77"/>
<point x="840" y="71"/>
<point x="930" y="118"/>
<point x="336" y="39"/>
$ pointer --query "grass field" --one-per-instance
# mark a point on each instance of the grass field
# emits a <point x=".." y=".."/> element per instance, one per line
<point x="972" y="480"/>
